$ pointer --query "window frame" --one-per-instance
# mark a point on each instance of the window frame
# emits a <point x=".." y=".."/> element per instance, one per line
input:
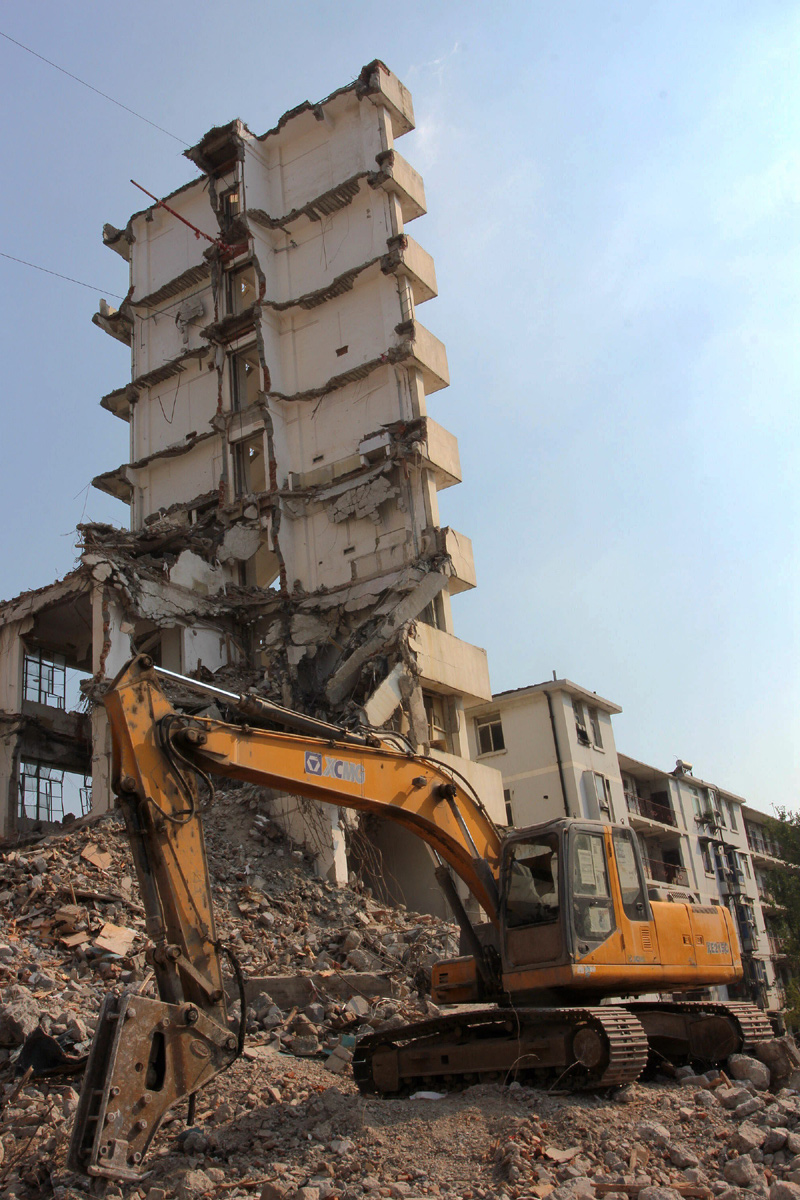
<point x="604" y="802"/>
<point x="492" y="722"/>
<point x="231" y="276"/>
<point x="594" y="722"/>
<point x="238" y="391"/>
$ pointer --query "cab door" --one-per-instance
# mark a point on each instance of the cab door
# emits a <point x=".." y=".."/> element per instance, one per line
<point x="532" y="910"/>
<point x="592" y="901"/>
<point x="638" y="925"/>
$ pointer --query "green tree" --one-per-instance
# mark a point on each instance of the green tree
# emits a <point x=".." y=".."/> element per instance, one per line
<point x="783" y="884"/>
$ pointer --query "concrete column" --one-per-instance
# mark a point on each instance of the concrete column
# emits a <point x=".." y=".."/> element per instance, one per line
<point x="9" y="776"/>
<point x="111" y="648"/>
<point x="385" y="127"/>
<point x="459" y="733"/>
<point x="395" y="213"/>
<point x="12" y="653"/>
<point x="102" y="795"/>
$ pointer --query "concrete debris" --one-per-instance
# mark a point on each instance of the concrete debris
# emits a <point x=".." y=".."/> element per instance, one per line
<point x="362" y="628"/>
<point x="240" y="543"/>
<point x="743" y="1067"/>
<point x="363" y="501"/>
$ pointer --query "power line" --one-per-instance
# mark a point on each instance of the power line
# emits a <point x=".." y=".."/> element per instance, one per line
<point x="105" y="96"/>
<point x="58" y="275"/>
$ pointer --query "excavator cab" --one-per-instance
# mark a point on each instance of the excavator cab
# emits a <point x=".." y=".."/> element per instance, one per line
<point x="576" y="922"/>
<point x="566" y="889"/>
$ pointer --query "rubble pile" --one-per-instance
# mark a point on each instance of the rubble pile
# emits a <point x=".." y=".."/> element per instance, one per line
<point x="286" y="1122"/>
<point x="71" y="925"/>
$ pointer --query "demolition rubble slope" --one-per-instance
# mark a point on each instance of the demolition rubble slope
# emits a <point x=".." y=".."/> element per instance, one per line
<point x="280" y="1123"/>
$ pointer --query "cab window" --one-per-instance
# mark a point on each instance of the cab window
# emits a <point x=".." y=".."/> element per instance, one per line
<point x="592" y="906"/>
<point x="531" y="882"/>
<point x="631" y="884"/>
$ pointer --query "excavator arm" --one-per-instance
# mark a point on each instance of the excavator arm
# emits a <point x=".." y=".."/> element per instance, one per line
<point x="147" y="1054"/>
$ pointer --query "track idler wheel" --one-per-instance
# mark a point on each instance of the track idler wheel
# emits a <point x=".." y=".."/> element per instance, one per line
<point x="589" y="1048"/>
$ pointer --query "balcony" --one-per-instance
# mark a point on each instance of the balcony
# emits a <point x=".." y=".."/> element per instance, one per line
<point x="446" y="664"/>
<point x="732" y="883"/>
<point x="422" y="349"/>
<point x="664" y="872"/>
<point x="457" y="547"/>
<point x="397" y="176"/>
<point x="640" y="806"/>
<point x="440" y="454"/>
<point x="764" y="853"/>
<point x="406" y="257"/>
<point x="775" y="948"/>
<point x="386" y="91"/>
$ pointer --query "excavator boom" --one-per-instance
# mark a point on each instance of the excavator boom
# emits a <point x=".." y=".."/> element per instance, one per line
<point x="147" y="1054"/>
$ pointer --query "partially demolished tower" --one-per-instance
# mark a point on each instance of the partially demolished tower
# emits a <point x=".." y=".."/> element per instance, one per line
<point x="284" y="471"/>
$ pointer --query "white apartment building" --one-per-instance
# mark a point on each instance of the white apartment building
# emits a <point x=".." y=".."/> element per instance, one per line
<point x="554" y="744"/>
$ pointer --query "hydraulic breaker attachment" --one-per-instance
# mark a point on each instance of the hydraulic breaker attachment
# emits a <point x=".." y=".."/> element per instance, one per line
<point x="146" y="1056"/>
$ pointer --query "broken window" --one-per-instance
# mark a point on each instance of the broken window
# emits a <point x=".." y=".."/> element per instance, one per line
<point x="509" y="808"/>
<point x="602" y="789"/>
<point x="249" y="467"/>
<point x="49" y="793"/>
<point x="245" y="378"/>
<point x="594" y="721"/>
<point x="489" y="731"/>
<point x="580" y="723"/>
<point x="530" y="882"/>
<point x="433" y="613"/>
<point x="241" y="288"/>
<point x="45" y="678"/>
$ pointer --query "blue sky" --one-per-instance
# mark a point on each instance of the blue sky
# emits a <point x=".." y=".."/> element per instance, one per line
<point x="614" y="210"/>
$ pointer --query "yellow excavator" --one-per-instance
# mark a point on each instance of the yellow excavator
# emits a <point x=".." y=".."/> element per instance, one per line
<point x="570" y="926"/>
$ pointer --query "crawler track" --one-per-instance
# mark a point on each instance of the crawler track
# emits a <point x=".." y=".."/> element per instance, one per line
<point x="581" y="1047"/>
<point x="697" y="1029"/>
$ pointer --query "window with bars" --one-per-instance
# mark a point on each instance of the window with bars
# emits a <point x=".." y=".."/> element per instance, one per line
<point x="45" y="678"/>
<point x="48" y="793"/>
<point x="41" y="792"/>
